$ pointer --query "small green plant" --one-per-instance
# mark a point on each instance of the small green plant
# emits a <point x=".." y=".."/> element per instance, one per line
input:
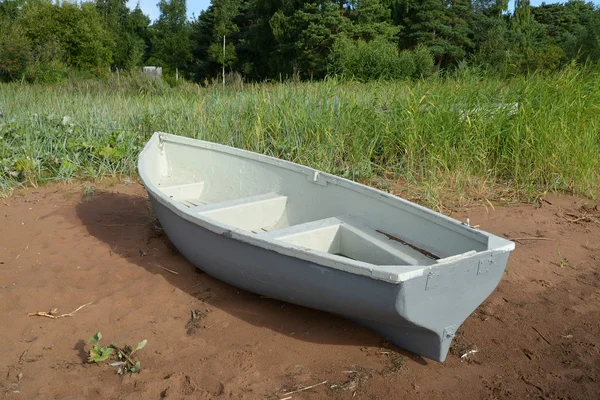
<point x="88" y="192"/>
<point x="97" y="352"/>
<point x="563" y="261"/>
<point x="123" y="356"/>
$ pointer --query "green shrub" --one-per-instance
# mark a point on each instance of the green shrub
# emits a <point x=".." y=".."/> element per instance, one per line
<point x="406" y="64"/>
<point x="549" y="58"/>
<point x="378" y="59"/>
<point x="14" y="53"/>
<point x="423" y="62"/>
<point x="47" y="63"/>
<point x="77" y="28"/>
<point x="49" y="72"/>
<point x="365" y="61"/>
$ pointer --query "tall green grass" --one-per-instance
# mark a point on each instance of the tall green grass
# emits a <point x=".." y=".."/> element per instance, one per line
<point x="468" y="133"/>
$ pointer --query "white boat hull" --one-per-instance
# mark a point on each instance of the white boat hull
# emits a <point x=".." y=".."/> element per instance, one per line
<point x="418" y="304"/>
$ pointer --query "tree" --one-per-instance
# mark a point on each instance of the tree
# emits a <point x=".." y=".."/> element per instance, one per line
<point x="460" y="18"/>
<point x="442" y="26"/>
<point x="138" y="27"/>
<point x="224" y="12"/>
<point x="589" y="41"/>
<point x="490" y="33"/>
<point x="305" y="38"/>
<point x="201" y="36"/>
<point x="565" y="23"/>
<point x="171" y="45"/>
<point x="522" y="24"/>
<point x="266" y="58"/>
<point x="371" y="19"/>
<point x="129" y="32"/>
<point x="11" y="9"/>
<point x="14" y="52"/>
<point x="490" y="8"/>
<point x="76" y="29"/>
<point x="533" y="48"/>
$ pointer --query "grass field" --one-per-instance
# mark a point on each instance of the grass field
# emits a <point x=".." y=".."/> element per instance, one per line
<point x="470" y="134"/>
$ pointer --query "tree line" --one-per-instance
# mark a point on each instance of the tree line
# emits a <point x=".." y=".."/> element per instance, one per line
<point x="45" y="41"/>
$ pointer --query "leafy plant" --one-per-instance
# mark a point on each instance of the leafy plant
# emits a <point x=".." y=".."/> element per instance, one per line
<point x="123" y="356"/>
<point x="97" y="352"/>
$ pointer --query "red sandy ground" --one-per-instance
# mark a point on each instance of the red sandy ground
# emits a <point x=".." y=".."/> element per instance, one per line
<point x="537" y="335"/>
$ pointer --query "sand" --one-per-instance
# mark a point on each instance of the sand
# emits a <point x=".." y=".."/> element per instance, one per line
<point x="537" y="335"/>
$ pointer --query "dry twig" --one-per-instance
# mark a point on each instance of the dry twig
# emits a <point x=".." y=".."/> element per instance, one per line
<point x="303" y="389"/>
<point x="23" y="356"/>
<point x="577" y="218"/>
<point x="52" y="312"/>
<point x="167" y="269"/>
<point x="530" y="238"/>
<point x="121" y="225"/>
<point x="542" y="336"/>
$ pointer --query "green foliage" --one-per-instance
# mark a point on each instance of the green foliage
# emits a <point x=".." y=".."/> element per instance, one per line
<point x="129" y="32"/>
<point x="52" y="71"/>
<point x="14" y="53"/>
<point x="124" y="356"/>
<point x="224" y="13"/>
<point x="460" y="131"/>
<point x="406" y="65"/>
<point x="566" y="22"/>
<point x="170" y="43"/>
<point x="65" y="150"/>
<point x="291" y="39"/>
<point x="282" y="40"/>
<point x="98" y="353"/>
<point x="423" y="62"/>
<point x="377" y="59"/>
<point x="491" y="43"/>
<point x="46" y="63"/>
<point x="548" y="58"/>
<point x="10" y="9"/>
<point x="588" y="42"/>
<point x="77" y="29"/>
<point x="215" y="52"/>
<point x="443" y="27"/>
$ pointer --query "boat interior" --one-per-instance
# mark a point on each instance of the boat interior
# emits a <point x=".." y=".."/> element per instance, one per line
<point x="285" y="202"/>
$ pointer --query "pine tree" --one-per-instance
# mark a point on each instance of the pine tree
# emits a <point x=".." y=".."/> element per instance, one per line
<point x="442" y="26"/>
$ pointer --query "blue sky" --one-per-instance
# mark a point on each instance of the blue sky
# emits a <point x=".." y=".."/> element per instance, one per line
<point x="195" y="6"/>
<point x="150" y="9"/>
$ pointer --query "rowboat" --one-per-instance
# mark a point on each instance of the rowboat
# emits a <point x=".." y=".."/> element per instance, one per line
<point x="299" y="235"/>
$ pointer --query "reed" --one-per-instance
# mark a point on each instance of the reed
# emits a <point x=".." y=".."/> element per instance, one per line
<point x="470" y="133"/>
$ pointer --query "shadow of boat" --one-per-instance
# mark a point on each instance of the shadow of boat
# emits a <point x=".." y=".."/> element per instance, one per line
<point x="126" y="223"/>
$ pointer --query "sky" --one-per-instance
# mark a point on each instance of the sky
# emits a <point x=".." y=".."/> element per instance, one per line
<point x="150" y="9"/>
<point x="195" y="6"/>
